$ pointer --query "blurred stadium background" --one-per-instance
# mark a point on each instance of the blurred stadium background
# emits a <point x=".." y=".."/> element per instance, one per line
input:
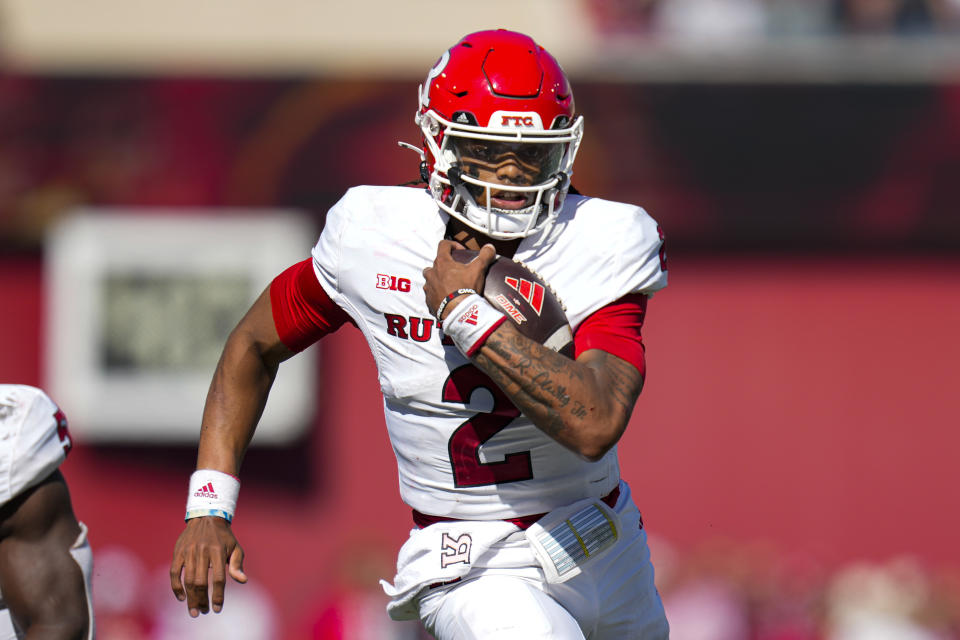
<point x="795" y="451"/>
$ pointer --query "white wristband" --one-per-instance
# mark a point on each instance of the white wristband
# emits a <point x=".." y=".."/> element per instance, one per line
<point x="471" y="323"/>
<point x="212" y="493"/>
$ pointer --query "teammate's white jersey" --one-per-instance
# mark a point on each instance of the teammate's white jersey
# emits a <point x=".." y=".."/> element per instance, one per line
<point x="33" y="438"/>
<point x="463" y="450"/>
<point x="34" y="441"/>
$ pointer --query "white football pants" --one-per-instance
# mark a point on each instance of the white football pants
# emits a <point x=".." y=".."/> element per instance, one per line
<point x="507" y="598"/>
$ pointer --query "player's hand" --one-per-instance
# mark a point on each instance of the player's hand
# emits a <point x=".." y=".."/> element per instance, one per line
<point x="446" y="275"/>
<point x="204" y="553"/>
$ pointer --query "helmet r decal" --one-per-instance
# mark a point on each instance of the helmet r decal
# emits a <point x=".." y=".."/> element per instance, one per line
<point x="433" y="73"/>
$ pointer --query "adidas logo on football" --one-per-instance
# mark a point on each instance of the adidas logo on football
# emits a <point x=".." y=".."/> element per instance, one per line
<point x="206" y="492"/>
<point x="463" y="119"/>
<point x="532" y="292"/>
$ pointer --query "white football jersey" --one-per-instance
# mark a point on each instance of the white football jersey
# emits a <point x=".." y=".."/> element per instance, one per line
<point x="33" y="438"/>
<point x="463" y="450"/>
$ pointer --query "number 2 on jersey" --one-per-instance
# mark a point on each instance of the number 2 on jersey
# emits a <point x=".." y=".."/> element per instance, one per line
<point x="464" y="445"/>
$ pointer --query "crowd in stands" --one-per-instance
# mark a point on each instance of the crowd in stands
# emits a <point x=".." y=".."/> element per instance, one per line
<point x="717" y="19"/>
<point x="738" y="591"/>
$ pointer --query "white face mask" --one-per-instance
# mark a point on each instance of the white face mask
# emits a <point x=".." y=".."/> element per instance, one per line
<point x="469" y="153"/>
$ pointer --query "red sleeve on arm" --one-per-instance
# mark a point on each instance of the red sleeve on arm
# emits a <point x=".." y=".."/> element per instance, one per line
<point x="302" y="311"/>
<point x="615" y="329"/>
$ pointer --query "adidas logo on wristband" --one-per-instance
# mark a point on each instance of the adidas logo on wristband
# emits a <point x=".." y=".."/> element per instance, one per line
<point x="470" y="317"/>
<point x="206" y="491"/>
<point x="205" y="500"/>
<point x="473" y="326"/>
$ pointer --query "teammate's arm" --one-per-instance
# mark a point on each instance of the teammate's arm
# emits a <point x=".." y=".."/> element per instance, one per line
<point x="583" y="404"/>
<point x="41" y="582"/>
<point x="235" y="401"/>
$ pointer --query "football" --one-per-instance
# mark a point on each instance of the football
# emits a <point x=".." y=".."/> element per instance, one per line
<point x="526" y="299"/>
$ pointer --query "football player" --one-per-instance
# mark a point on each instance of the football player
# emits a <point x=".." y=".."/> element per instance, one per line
<point x="45" y="559"/>
<point x="506" y="449"/>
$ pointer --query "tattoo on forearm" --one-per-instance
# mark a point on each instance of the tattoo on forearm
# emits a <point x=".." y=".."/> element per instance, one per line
<point x="625" y="386"/>
<point x="578" y="410"/>
<point x="541" y="383"/>
<point x="549" y="386"/>
<point x="537" y="377"/>
<point x="554" y="425"/>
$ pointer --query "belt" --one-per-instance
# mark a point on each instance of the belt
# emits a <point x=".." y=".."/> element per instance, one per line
<point x="423" y="520"/>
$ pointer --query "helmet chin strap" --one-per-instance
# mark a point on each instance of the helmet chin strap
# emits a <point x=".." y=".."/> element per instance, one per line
<point x="453" y="174"/>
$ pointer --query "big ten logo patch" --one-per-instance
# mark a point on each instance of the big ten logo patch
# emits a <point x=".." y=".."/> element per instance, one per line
<point x="454" y="550"/>
<point x="393" y="283"/>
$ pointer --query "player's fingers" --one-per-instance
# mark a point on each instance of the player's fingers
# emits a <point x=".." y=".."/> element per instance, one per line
<point x="196" y="579"/>
<point x="176" y="568"/>
<point x="445" y="249"/>
<point x="218" y="577"/>
<point x="487" y="255"/>
<point x="236" y="565"/>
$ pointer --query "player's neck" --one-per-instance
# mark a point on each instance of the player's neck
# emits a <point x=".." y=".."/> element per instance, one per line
<point x="473" y="239"/>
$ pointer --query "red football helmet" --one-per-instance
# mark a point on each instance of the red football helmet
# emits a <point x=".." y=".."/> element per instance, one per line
<point x="496" y="93"/>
